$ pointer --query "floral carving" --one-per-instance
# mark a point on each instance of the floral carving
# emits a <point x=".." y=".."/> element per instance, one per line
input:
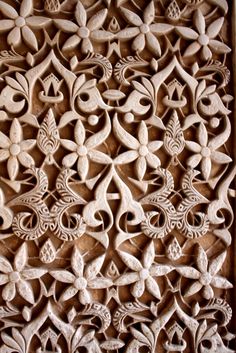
<point x="116" y="176"/>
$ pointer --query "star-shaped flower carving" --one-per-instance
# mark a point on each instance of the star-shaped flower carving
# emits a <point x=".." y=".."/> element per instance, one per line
<point x="14" y="149"/>
<point x="20" y="24"/>
<point x="144" y="31"/>
<point x="142" y="272"/>
<point x="14" y="277"/>
<point x="206" y="274"/>
<point x="203" y="37"/>
<point x="140" y="149"/>
<point x="82" y="278"/>
<point x="205" y="152"/>
<point x="85" y="29"/>
<point x="84" y="150"/>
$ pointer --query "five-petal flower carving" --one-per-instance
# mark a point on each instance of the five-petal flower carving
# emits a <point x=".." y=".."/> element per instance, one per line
<point x="84" y="278"/>
<point x="205" y="152"/>
<point x="140" y="149"/>
<point x="206" y="274"/>
<point x="15" y="276"/>
<point x="144" y="31"/>
<point x="143" y="272"/>
<point x="84" y="149"/>
<point x="203" y="37"/>
<point x="85" y="29"/>
<point x="14" y="149"/>
<point x="20" y="24"/>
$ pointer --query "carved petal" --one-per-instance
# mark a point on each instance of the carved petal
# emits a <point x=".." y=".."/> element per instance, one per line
<point x="128" y="33"/>
<point x="101" y="36"/>
<point x="3" y="279"/>
<point x="193" y="288"/>
<point x="153" y="44"/>
<point x="199" y="21"/>
<point x="194" y="160"/>
<point x="12" y="167"/>
<point x="83" y="167"/>
<point x="4" y="141"/>
<point x="160" y="270"/>
<point x="189" y="272"/>
<point x="9" y="291"/>
<point x="187" y="33"/>
<point x="139" y="42"/>
<point x="202" y="260"/>
<point x="131" y="17"/>
<point x="84" y="297"/>
<point x="131" y="261"/>
<point x="160" y="28"/>
<point x="5" y="265"/>
<point x="25" y="290"/>
<point x="221" y="282"/>
<point x="33" y="273"/>
<point x="8" y="10"/>
<point x="138" y="288"/>
<point x="21" y="257"/>
<point x="153" y="146"/>
<point x="80" y="14"/>
<point x="126" y="157"/>
<point x="148" y="255"/>
<point x="63" y="276"/>
<point x="206" y="168"/>
<point x="14" y="37"/>
<point x="94" y="267"/>
<point x="219" y="47"/>
<point x="140" y="167"/>
<point x="97" y="20"/>
<point x="219" y="157"/>
<point x="70" y="159"/>
<point x="5" y="25"/>
<point x="216" y="264"/>
<point x="208" y="292"/>
<point x="68" y="293"/>
<point x="127" y="278"/>
<point x="71" y="42"/>
<point x="215" y="27"/>
<point x="193" y="146"/>
<point x="37" y="21"/>
<point x="77" y="263"/>
<point x="202" y="135"/>
<point x="99" y="283"/>
<point x="66" y="26"/>
<point x="86" y="46"/>
<point x="192" y="49"/>
<point x="99" y="157"/>
<point x="149" y="13"/>
<point x="153" y="287"/>
<point x="27" y="144"/>
<point x="26" y="8"/>
<point x="152" y="160"/>
<point x="29" y="38"/>
<point x="16" y="134"/>
<point x="25" y="159"/>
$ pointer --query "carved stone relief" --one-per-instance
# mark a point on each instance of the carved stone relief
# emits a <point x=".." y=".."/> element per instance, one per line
<point x="116" y="176"/>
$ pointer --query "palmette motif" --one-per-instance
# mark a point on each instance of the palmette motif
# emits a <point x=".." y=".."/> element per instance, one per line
<point x="115" y="176"/>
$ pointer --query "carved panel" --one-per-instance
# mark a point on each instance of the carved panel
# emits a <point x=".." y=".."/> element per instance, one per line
<point x="116" y="176"/>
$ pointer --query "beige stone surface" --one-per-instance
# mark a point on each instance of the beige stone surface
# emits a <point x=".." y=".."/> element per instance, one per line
<point x="116" y="176"/>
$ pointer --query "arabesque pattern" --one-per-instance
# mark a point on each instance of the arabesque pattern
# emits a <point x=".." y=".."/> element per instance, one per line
<point x="115" y="174"/>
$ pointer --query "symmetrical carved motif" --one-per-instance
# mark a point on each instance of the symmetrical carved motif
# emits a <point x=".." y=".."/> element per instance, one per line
<point x="115" y="176"/>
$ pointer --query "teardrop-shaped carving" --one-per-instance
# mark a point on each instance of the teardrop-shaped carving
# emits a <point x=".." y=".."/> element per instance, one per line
<point x="174" y="138"/>
<point x="48" y="252"/>
<point x="48" y="137"/>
